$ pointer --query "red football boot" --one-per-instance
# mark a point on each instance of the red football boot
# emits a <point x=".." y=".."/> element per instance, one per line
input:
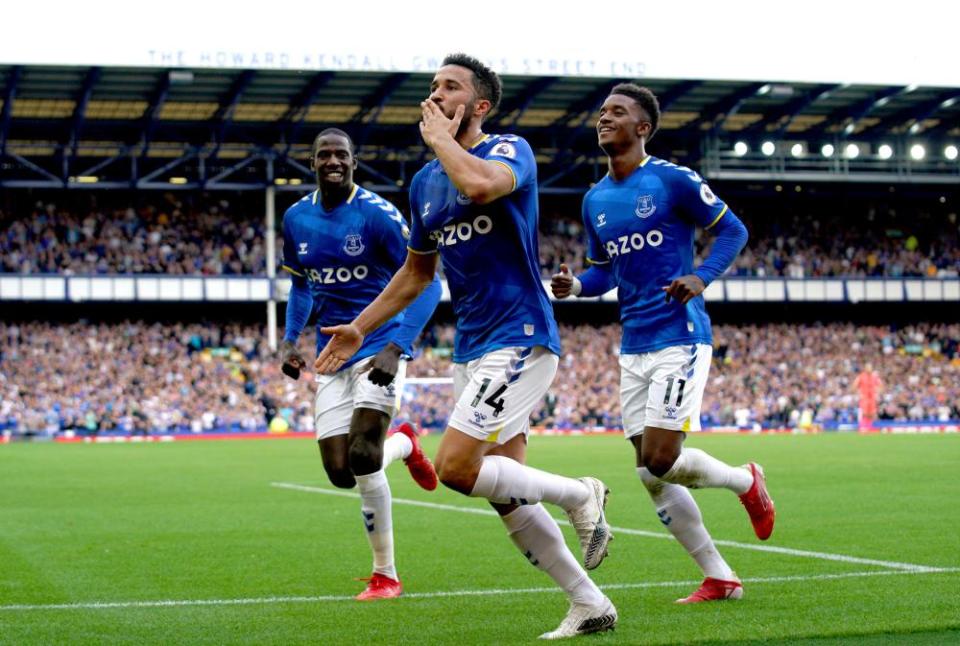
<point x="380" y="587"/>
<point x="758" y="503"/>
<point x="419" y="465"/>
<point x="715" y="590"/>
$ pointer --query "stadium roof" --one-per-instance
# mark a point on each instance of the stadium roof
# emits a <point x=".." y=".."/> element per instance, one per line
<point x="243" y="128"/>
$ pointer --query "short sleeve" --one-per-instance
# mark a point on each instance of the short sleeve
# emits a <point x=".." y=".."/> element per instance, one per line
<point x="515" y="153"/>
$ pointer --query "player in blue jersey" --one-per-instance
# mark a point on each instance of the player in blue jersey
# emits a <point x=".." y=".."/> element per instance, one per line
<point x="640" y="221"/>
<point x="475" y="206"/>
<point x="341" y="245"/>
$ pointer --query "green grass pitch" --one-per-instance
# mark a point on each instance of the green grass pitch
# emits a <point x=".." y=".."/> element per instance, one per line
<point x="194" y="542"/>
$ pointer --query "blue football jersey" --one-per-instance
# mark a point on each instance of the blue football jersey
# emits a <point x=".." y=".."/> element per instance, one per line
<point x="490" y="252"/>
<point x="348" y="255"/>
<point x="644" y="228"/>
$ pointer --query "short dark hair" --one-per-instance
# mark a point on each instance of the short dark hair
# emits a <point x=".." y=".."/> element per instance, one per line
<point x="485" y="81"/>
<point x="337" y="132"/>
<point x="645" y="98"/>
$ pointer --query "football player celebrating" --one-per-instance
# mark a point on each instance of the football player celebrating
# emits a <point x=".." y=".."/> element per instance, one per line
<point x="640" y="221"/>
<point x="342" y="244"/>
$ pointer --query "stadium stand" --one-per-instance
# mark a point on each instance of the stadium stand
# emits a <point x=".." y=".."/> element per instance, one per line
<point x="176" y="235"/>
<point x="149" y="378"/>
<point x="168" y="238"/>
<point x="120" y="173"/>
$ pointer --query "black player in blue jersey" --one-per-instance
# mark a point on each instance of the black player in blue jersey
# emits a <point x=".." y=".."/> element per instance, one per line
<point x="640" y="221"/>
<point x="342" y="243"/>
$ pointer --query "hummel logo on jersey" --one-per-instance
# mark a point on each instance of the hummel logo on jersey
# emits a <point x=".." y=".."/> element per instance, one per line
<point x="353" y="245"/>
<point x="645" y="206"/>
<point x="426" y="209"/>
<point x="303" y="249"/>
<point x="602" y="220"/>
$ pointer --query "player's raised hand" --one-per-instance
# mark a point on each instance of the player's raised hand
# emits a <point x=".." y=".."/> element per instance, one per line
<point x="291" y="361"/>
<point x="344" y="342"/>
<point x="684" y="289"/>
<point x="435" y="125"/>
<point x="562" y="284"/>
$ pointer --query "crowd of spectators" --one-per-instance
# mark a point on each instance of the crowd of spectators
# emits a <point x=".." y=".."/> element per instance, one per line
<point x="133" y="377"/>
<point x="806" y="246"/>
<point x="169" y="238"/>
<point x="208" y="237"/>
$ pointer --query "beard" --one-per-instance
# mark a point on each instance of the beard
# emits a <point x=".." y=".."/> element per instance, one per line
<point x="468" y="109"/>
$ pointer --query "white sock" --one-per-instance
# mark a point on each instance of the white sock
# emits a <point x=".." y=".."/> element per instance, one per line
<point x="679" y="513"/>
<point x="378" y="520"/>
<point x="506" y="481"/>
<point x="539" y="538"/>
<point x="396" y="447"/>
<point x="697" y="470"/>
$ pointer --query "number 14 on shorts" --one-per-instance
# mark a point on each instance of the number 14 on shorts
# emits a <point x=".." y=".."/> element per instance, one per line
<point x="494" y="401"/>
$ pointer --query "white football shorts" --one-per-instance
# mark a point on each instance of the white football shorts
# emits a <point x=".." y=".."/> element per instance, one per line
<point x="339" y="394"/>
<point x="664" y="388"/>
<point x="496" y="393"/>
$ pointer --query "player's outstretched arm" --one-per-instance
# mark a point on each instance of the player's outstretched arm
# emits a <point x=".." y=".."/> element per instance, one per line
<point x="299" y="306"/>
<point x="481" y="180"/>
<point x="412" y="278"/>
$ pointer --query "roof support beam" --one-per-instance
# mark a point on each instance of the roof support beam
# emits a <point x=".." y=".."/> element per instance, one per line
<point x="917" y="113"/>
<point x="9" y="96"/>
<point x="790" y="110"/>
<point x="79" y="112"/>
<point x="856" y="111"/>
<point x="293" y="118"/>
<point x="148" y="123"/>
<point x="228" y="103"/>
<point x="373" y="105"/>
<point x="520" y="101"/>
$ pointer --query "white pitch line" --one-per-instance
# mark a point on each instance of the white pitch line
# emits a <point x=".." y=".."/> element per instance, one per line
<point x="825" y="556"/>
<point x="177" y="603"/>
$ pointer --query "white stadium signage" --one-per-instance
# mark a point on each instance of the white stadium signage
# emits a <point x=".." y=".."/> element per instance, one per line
<point x="735" y="40"/>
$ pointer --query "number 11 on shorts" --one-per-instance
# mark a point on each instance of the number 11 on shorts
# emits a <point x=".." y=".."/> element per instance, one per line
<point x="680" y="384"/>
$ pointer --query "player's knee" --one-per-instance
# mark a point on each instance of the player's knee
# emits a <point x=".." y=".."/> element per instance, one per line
<point x="365" y="457"/>
<point x="341" y="477"/>
<point x="659" y="462"/>
<point x="456" y="478"/>
<point x="653" y="484"/>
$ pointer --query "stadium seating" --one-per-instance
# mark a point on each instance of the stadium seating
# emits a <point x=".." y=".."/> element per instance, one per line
<point x="139" y="378"/>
